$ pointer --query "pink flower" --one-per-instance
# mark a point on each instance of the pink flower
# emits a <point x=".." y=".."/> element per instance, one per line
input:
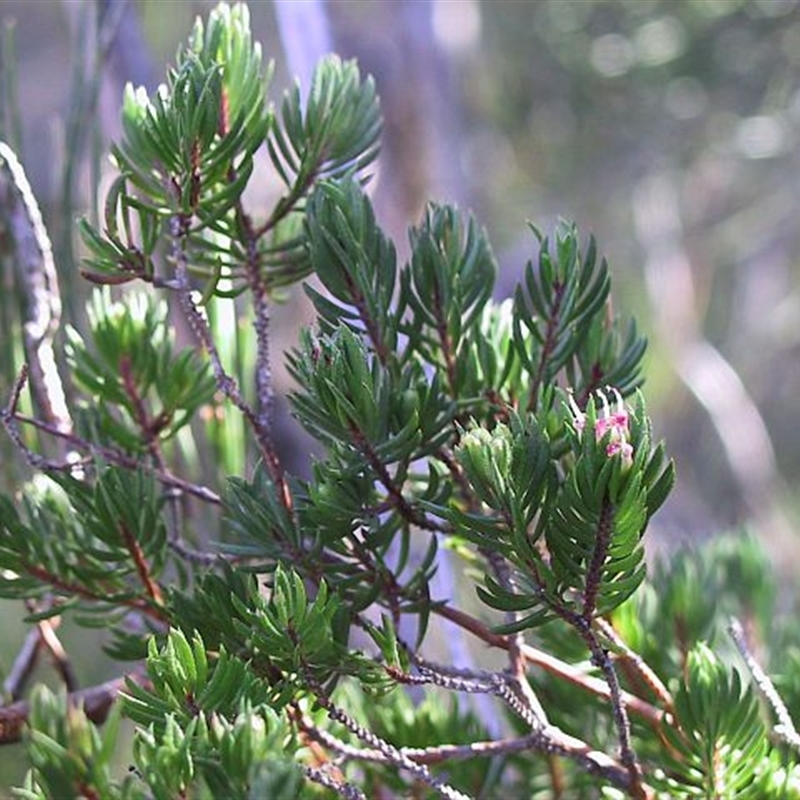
<point x="612" y="420"/>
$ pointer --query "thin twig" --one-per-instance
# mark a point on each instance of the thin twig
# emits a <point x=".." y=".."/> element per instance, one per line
<point x="392" y="754"/>
<point x="619" y="713"/>
<point x="449" y="670"/>
<point x="653" y="715"/>
<point x="785" y="729"/>
<point x="394" y="495"/>
<point x="549" y="343"/>
<point x="99" y="594"/>
<point x="548" y="740"/>
<point x="334" y="743"/>
<point x="445" y="341"/>
<point x="226" y="384"/>
<point x="142" y="567"/>
<point x="516" y="642"/>
<point x="594" y="571"/>
<point x="545" y="737"/>
<point x="342" y="788"/>
<point x="108" y="454"/>
<point x="479" y="682"/>
<point x="150" y="428"/>
<point x="643" y="670"/>
<point x="583" y="625"/>
<point x="261" y="323"/>
<point x="8" y="416"/>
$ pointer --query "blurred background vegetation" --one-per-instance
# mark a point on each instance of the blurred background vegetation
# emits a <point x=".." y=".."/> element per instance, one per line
<point x="668" y="128"/>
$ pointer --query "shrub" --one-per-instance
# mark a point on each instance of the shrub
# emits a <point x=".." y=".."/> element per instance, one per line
<point x="283" y="636"/>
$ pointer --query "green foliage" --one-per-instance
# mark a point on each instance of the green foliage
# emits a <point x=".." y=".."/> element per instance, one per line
<point x="447" y="286"/>
<point x="505" y="438"/>
<point x="127" y="370"/>
<point x="70" y="755"/>
<point x="219" y="758"/>
<point x="208" y="726"/>
<point x="85" y="543"/>
<point x="335" y="132"/>
<point x="591" y="512"/>
<point x="187" y="151"/>
<point x="719" y="741"/>
<point x="187" y="155"/>
<point x="353" y="259"/>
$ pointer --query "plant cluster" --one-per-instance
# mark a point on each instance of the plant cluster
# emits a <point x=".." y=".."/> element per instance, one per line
<point x="306" y="652"/>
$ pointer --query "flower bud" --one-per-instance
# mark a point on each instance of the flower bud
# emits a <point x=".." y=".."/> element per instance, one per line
<point x="486" y="458"/>
<point x="612" y="422"/>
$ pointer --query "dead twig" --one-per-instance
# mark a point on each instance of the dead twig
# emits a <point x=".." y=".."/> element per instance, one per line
<point x="785" y="729"/>
<point x="38" y="282"/>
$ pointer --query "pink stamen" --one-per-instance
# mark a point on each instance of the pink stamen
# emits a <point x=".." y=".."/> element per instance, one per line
<point x="579" y="418"/>
<point x="612" y="421"/>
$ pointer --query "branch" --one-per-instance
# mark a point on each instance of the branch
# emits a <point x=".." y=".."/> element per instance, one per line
<point x="631" y="658"/>
<point x="44" y="575"/>
<point x="258" y="288"/>
<point x="150" y="428"/>
<point x="10" y="418"/>
<point x="372" y="326"/>
<point x="644" y="710"/>
<point x="226" y="384"/>
<point x="445" y="341"/>
<point x="24" y="664"/>
<point x="47" y="632"/>
<point x="616" y="697"/>
<point x="389" y="752"/>
<point x="594" y="571"/>
<point x="394" y="496"/>
<point x="516" y="642"/>
<point x="503" y="685"/>
<point x="547" y="739"/>
<point x="550" y="740"/>
<point x="601" y="658"/>
<point x="342" y="788"/>
<point x="42" y="635"/>
<point x="142" y="568"/>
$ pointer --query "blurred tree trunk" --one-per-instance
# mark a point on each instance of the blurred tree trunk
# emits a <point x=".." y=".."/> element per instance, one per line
<point x="395" y="42"/>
